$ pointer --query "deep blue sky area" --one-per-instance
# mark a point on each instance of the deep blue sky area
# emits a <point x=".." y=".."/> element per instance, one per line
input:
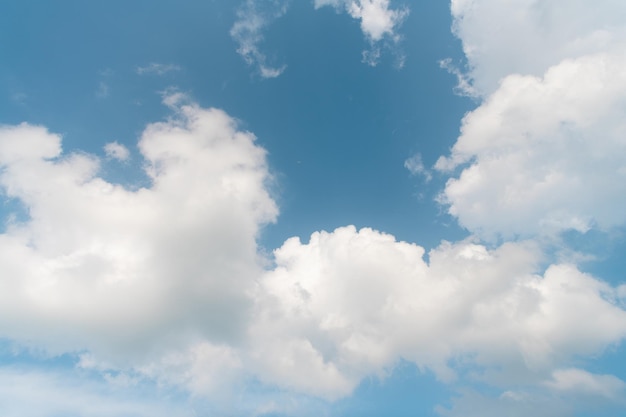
<point x="327" y="117"/>
<point x="348" y="324"/>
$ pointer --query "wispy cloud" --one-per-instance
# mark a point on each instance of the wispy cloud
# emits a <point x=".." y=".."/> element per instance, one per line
<point x="253" y="17"/>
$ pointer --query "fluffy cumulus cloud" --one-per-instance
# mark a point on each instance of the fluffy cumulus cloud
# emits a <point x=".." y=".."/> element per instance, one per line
<point x="379" y="21"/>
<point x="127" y="273"/>
<point x="253" y="17"/>
<point x="546" y="151"/>
<point x="543" y="153"/>
<point x="546" y="145"/>
<point x="527" y="37"/>
<point x="352" y="303"/>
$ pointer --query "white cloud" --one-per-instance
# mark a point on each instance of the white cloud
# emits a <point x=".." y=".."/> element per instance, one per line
<point x="527" y="37"/>
<point x="117" y="151"/>
<point x="253" y="18"/>
<point x="350" y="304"/>
<point x="378" y="22"/>
<point x="542" y="155"/>
<point x="131" y="274"/>
<point x="157" y="69"/>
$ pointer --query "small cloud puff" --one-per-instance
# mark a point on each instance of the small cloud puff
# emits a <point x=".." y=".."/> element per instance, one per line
<point x="117" y="151"/>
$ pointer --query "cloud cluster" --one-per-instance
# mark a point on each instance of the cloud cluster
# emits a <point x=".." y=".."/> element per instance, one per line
<point x="165" y="282"/>
<point x="543" y="153"/>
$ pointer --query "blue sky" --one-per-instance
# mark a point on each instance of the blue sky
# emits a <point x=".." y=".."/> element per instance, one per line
<point x="314" y="207"/>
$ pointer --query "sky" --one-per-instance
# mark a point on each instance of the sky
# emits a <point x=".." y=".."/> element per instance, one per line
<point x="293" y="208"/>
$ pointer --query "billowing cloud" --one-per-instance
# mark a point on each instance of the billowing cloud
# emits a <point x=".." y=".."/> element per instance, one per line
<point x="542" y="155"/>
<point x="544" y="151"/>
<point x="527" y="37"/>
<point x="127" y="273"/>
<point x="378" y="21"/>
<point x="352" y="303"/>
<point x="253" y="17"/>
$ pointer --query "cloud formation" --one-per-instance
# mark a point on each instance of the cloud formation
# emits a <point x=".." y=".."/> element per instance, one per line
<point x="166" y="282"/>
<point x="341" y="306"/>
<point x="171" y="287"/>
<point x="546" y="151"/>
<point x="146" y="269"/>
